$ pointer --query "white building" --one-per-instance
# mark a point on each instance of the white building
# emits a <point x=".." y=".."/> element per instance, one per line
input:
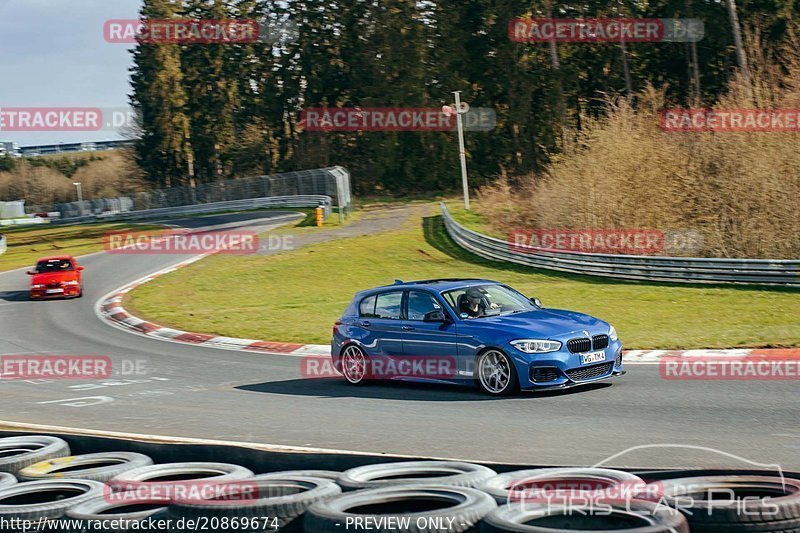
<point x="9" y="148"/>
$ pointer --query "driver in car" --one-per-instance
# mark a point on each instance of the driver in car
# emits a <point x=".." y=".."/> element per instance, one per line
<point x="473" y="303"/>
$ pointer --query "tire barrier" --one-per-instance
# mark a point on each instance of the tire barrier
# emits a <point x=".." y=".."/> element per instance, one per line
<point x="331" y="475"/>
<point x="453" y="473"/>
<point x="118" y="491"/>
<point x="515" y="486"/>
<point x="420" y="509"/>
<point x="35" y="500"/>
<point x="95" y="466"/>
<point x="19" y="452"/>
<point x="633" y="516"/>
<point x="731" y="504"/>
<point x="281" y="498"/>
<point x="172" y="479"/>
<point x="6" y="480"/>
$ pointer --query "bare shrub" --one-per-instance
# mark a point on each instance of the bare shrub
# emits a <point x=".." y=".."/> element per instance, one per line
<point x="740" y="190"/>
<point x="106" y="174"/>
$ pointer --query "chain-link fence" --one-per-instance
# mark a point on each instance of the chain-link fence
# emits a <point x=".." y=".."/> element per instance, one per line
<point x="333" y="182"/>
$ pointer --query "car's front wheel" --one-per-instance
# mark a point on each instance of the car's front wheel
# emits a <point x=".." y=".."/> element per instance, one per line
<point x="355" y="365"/>
<point x="496" y="373"/>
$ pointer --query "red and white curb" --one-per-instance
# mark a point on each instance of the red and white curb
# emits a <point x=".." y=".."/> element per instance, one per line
<point x="109" y="308"/>
<point x="654" y="357"/>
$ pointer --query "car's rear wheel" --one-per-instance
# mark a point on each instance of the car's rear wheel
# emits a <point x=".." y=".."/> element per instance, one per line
<point x="355" y="365"/>
<point x="496" y="373"/>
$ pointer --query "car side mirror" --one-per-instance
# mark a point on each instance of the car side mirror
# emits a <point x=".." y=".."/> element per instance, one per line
<point x="79" y="268"/>
<point x="434" y="316"/>
<point x="31" y="272"/>
<point x="536" y="301"/>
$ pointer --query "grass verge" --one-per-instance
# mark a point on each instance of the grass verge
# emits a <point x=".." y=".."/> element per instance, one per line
<point x="296" y="297"/>
<point x="26" y="244"/>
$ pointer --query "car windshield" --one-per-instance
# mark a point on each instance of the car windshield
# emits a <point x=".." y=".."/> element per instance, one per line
<point x="54" y="265"/>
<point x="479" y="301"/>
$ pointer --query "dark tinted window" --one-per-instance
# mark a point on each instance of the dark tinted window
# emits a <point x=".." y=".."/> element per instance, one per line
<point x="55" y="265"/>
<point x="367" y="307"/>
<point x="388" y="305"/>
<point x="421" y="303"/>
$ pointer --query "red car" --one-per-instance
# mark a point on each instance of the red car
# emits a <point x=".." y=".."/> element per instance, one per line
<point x="56" y="277"/>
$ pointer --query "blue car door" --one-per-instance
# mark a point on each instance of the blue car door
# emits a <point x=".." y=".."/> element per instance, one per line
<point x="383" y="327"/>
<point x="436" y="340"/>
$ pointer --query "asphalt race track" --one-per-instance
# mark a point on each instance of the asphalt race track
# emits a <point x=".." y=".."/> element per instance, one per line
<point x="193" y="391"/>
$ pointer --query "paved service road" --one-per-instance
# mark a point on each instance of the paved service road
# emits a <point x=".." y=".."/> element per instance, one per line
<point x="202" y="392"/>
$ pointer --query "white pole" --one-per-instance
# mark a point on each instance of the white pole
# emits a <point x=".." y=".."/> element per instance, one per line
<point x="461" y="150"/>
<point x="80" y="195"/>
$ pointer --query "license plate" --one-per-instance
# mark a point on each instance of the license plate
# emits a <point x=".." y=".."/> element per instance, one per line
<point x="594" y="357"/>
<point x="54" y="291"/>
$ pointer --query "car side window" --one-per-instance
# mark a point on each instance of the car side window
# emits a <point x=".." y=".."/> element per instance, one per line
<point x="388" y="305"/>
<point x="420" y="304"/>
<point x="367" y="307"/>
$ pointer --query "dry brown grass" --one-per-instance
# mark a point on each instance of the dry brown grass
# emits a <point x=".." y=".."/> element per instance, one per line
<point x="110" y="173"/>
<point x="740" y="190"/>
<point x="36" y="185"/>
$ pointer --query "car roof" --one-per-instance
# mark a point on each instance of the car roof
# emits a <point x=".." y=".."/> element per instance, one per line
<point x="55" y="258"/>
<point x="438" y="285"/>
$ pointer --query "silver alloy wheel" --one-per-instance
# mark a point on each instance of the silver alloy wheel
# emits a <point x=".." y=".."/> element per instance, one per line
<point x="494" y="372"/>
<point x="354" y="364"/>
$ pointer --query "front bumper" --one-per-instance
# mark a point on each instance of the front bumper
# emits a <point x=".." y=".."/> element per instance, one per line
<point x="562" y="369"/>
<point x="571" y="384"/>
<point x="66" y="292"/>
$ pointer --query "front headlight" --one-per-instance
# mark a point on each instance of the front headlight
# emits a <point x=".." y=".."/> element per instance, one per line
<point x="536" y="345"/>
<point x="70" y="283"/>
<point x="612" y="333"/>
<point x="37" y="286"/>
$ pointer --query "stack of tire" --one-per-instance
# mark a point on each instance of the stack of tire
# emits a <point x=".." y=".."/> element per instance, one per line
<point x="417" y="496"/>
<point x="125" y="491"/>
<point x="121" y="489"/>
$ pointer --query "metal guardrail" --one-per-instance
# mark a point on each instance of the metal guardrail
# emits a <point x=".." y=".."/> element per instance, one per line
<point x="333" y="182"/>
<point x="216" y="207"/>
<point x="633" y="267"/>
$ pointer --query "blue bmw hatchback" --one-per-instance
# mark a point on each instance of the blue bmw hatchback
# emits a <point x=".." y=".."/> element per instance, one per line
<point x="471" y="330"/>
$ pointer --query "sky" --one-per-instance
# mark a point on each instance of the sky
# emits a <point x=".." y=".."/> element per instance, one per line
<point x="53" y="54"/>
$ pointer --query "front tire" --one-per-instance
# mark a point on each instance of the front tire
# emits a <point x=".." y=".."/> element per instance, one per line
<point x="355" y="365"/>
<point x="496" y="373"/>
